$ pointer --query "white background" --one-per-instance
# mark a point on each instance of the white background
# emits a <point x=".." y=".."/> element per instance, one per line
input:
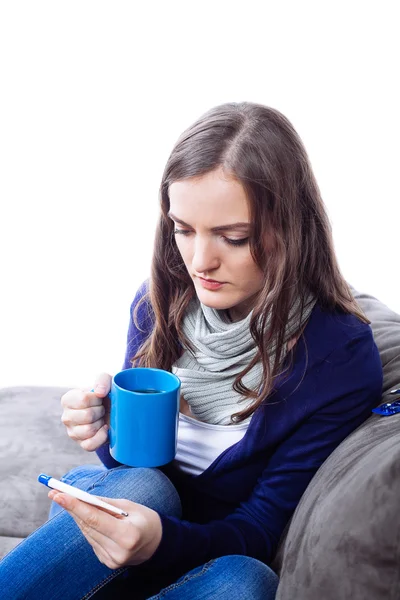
<point x="93" y="96"/>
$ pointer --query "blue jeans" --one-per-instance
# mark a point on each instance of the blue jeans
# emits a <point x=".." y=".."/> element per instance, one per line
<point x="56" y="561"/>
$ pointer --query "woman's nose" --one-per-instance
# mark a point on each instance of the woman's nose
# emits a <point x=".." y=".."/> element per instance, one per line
<point x="205" y="256"/>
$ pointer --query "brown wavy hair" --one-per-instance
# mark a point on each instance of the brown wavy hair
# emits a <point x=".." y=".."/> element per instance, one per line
<point x="291" y="239"/>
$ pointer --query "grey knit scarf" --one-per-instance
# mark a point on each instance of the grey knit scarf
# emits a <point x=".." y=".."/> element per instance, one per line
<point x="222" y="349"/>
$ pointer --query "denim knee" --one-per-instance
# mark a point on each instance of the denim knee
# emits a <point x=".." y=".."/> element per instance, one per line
<point x="232" y="577"/>
<point x="146" y="486"/>
<point x="247" y="577"/>
<point x="83" y="474"/>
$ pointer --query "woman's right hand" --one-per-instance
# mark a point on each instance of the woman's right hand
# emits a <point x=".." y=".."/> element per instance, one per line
<point x="86" y="415"/>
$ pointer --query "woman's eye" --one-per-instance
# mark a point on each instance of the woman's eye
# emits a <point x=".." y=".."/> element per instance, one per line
<point x="240" y="242"/>
<point x="182" y="231"/>
<point x="230" y="241"/>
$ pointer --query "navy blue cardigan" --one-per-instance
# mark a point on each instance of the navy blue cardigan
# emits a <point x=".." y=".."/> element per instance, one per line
<point x="242" y="502"/>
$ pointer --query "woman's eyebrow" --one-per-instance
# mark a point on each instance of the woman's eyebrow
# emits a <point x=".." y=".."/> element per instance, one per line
<point x="241" y="225"/>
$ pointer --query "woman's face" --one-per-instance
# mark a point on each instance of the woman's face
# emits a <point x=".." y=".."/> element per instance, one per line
<point x="212" y="228"/>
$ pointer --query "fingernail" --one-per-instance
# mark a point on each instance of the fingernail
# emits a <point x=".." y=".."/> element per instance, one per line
<point x="100" y="388"/>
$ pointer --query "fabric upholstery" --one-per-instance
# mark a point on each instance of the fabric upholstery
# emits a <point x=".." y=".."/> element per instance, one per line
<point x="32" y="440"/>
<point x="344" y="538"/>
<point x="385" y="324"/>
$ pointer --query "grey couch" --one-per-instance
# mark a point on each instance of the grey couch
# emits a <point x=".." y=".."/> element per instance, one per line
<point x="343" y="541"/>
<point x="32" y="441"/>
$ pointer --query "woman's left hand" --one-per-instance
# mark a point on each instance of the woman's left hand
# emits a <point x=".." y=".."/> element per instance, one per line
<point x="117" y="541"/>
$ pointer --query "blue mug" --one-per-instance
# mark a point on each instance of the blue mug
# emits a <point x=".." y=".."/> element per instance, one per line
<point x="144" y="417"/>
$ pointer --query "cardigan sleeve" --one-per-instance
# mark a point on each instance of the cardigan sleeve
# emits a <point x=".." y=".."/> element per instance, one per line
<point x="348" y="385"/>
<point x="140" y="327"/>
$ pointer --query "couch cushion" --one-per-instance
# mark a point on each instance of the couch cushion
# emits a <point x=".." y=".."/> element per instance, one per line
<point x="344" y="538"/>
<point x="7" y="544"/>
<point x="385" y="324"/>
<point x="32" y="440"/>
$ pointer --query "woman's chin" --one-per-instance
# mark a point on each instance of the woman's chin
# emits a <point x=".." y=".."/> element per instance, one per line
<point x="214" y="300"/>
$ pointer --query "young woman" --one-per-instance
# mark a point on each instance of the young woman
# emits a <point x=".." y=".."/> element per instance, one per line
<point x="246" y="304"/>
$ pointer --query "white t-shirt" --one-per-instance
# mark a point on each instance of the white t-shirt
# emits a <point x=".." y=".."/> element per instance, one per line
<point x="199" y="444"/>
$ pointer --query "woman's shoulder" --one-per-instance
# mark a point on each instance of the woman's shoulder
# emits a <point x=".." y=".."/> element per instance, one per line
<point x="141" y="299"/>
<point x="336" y="363"/>
<point x="142" y="293"/>
<point x="329" y="330"/>
<point x="142" y="314"/>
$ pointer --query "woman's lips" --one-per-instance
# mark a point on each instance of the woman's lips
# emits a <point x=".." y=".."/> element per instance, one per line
<point x="210" y="284"/>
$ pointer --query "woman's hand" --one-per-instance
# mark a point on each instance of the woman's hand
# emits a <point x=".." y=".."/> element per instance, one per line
<point x="86" y="415"/>
<point x="116" y="541"/>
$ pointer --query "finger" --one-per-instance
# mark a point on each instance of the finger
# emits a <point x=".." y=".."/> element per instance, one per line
<point x="82" y="416"/>
<point x="107" y="406"/>
<point x="102" y="385"/>
<point x="103" y="547"/>
<point x="100" y="438"/>
<point x="90" y="519"/>
<point x="80" y="399"/>
<point x="125" y="505"/>
<point x="101" y="553"/>
<point x="111" y="552"/>
<point x="84" y="432"/>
